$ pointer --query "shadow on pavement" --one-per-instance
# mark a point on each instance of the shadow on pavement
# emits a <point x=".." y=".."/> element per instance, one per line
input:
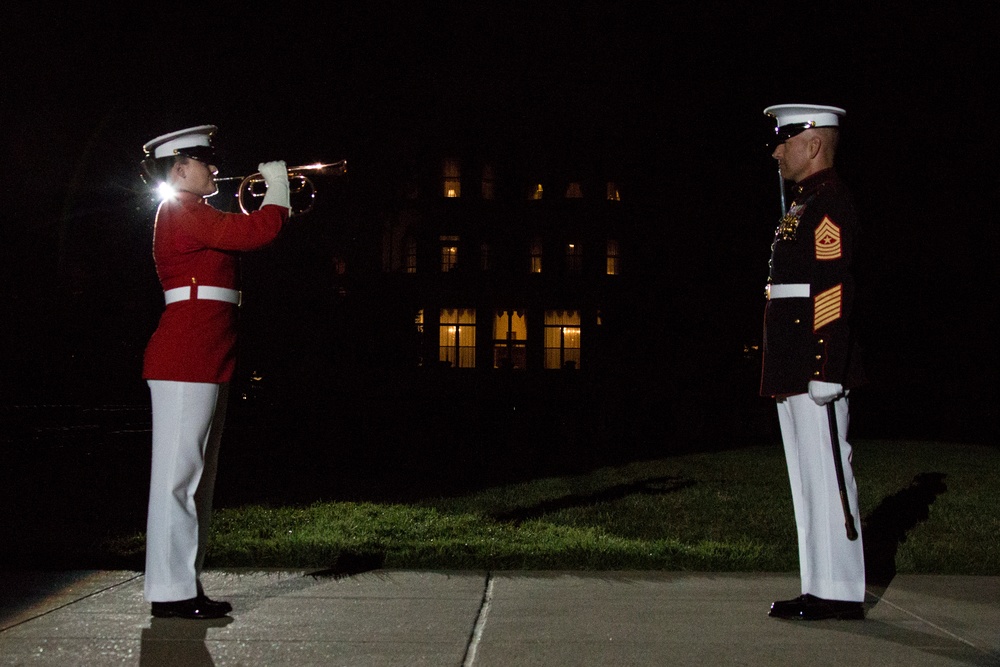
<point x="177" y="641"/>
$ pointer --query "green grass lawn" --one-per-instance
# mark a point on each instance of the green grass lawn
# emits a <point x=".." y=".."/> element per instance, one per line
<point x="927" y="508"/>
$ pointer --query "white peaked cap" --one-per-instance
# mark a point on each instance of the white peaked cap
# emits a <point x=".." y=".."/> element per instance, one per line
<point x="174" y="142"/>
<point x="813" y="114"/>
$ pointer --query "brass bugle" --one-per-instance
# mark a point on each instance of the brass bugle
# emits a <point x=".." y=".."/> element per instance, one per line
<point x="301" y="187"/>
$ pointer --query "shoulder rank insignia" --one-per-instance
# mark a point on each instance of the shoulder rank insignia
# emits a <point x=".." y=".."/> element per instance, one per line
<point x="827" y="240"/>
<point x="827" y="306"/>
<point x="788" y="226"/>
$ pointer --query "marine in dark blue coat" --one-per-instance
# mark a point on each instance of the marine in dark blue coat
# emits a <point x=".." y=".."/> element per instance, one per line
<point x="809" y="361"/>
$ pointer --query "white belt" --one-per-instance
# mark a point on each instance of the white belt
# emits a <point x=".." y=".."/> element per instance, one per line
<point x="202" y="292"/>
<point x="787" y="290"/>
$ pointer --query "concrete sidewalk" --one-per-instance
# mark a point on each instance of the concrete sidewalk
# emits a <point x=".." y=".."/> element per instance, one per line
<point x="390" y="617"/>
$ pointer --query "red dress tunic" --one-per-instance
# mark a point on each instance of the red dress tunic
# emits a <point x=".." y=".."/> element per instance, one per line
<point x="194" y="244"/>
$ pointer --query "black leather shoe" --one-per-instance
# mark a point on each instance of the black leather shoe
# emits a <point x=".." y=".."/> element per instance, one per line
<point x="225" y="606"/>
<point x="204" y="598"/>
<point x="811" y="608"/>
<point x="193" y="608"/>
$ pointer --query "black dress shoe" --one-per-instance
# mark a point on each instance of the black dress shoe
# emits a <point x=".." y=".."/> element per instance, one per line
<point x="201" y="596"/>
<point x="811" y="608"/>
<point x="225" y="606"/>
<point x="194" y="608"/>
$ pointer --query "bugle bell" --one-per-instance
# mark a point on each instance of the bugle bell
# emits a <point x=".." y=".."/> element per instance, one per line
<point x="301" y="188"/>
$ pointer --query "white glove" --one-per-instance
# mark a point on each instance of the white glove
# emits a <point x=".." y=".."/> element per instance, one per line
<point x="275" y="175"/>
<point x="823" y="392"/>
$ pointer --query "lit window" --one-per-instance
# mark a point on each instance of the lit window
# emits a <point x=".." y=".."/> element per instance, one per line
<point x="418" y="323"/>
<point x="562" y="339"/>
<point x="449" y="253"/>
<point x="535" y="256"/>
<point x="535" y="192"/>
<point x="573" y="191"/>
<point x="510" y="336"/>
<point x="614" y="258"/>
<point x="574" y="258"/>
<point x="457" y="337"/>
<point x="452" y="178"/>
<point x="613" y="194"/>
<point x="488" y="182"/>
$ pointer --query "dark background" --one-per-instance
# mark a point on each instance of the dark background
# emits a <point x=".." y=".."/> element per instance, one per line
<point x="672" y="96"/>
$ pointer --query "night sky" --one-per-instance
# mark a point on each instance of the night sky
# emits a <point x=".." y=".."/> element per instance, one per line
<point x="674" y="94"/>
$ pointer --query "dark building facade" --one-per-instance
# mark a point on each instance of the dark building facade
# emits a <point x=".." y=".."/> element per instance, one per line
<point x="474" y="308"/>
<point x="508" y="269"/>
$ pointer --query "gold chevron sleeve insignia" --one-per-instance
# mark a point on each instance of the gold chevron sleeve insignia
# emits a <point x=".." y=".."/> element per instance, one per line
<point x="827" y="306"/>
<point x="827" y="240"/>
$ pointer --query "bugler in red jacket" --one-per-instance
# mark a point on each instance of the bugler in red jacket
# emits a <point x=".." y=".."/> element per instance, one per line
<point x="195" y="245"/>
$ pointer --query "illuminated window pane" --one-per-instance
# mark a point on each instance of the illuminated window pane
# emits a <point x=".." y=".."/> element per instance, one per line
<point x="574" y="257"/>
<point x="613" y="194"/>
<point x="574" y="191"/>
<point x="614" y="258"/>
<point x="535" y="256"/>
<point x="449" y="257"/>
<point x="562" y="339"/>
<point x="418" y="324"/>
<point x="457" y="337"/>
<point x="449" y="253"/>
<point x="452" y="178"/>
<point x="535" y="192"/>
<point x="510" y="335"/>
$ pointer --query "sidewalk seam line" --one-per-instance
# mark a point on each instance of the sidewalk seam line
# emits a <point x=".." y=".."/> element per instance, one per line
<point x="935" y="626"/>
<point x="477" y="630"/>
<point x="71" y="602"/>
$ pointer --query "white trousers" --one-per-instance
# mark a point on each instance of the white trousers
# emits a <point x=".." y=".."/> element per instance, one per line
<point x="187" y="429"/>
<point x="831" y="566"/>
